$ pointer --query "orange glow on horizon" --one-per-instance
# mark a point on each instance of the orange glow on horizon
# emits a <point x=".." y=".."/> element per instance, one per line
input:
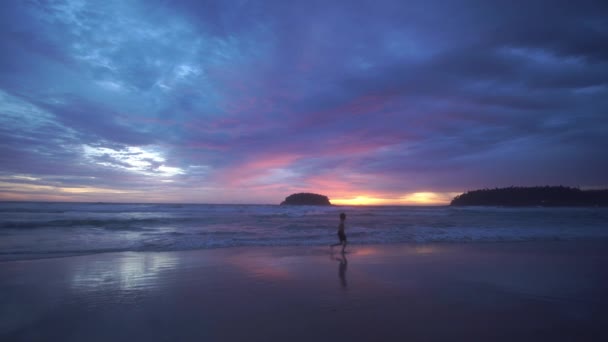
<point x="416" y="198"/>
<point x="427" y="198"/>
<point x="361" y="200"/>
<point x="59" y="189"/>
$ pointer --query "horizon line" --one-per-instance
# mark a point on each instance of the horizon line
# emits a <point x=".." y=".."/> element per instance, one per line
<point x="260" y="204"/>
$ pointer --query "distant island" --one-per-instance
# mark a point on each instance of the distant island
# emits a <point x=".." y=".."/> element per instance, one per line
<point x="306" y="199"/>
<point x="546" y="196"/>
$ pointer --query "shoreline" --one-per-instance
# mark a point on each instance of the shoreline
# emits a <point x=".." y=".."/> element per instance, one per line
<point x="423" y="292"/>
<point x="5" y="258"/>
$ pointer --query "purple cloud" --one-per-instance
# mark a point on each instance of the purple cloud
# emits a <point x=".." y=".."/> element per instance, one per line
<point x="232" y="101"/>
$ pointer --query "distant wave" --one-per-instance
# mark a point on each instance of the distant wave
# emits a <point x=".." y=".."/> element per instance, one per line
<point x="47" y="230"/>
<point x="30" y="210"/>
<point x="108" y="224"/>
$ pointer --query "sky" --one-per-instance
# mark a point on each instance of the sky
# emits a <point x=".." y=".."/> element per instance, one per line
<point x="367" y="102"/>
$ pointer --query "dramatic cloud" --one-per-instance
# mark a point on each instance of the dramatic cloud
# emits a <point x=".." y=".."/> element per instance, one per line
<point x="377" y="102"/>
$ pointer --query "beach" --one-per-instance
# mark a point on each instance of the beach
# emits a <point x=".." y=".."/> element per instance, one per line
<point x="517" y="291"/>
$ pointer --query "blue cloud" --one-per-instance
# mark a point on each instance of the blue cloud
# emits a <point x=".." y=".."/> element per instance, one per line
<point x="395" y="97"/>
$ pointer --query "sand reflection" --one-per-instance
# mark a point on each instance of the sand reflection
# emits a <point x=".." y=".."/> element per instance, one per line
<point x="387" y="251"/>
<point x="128" y="271"/>
<point x="425" y="249"/>
<point x="342" y="266"/>
<point x="262" y="267"/>
<point x="367" y="250"/>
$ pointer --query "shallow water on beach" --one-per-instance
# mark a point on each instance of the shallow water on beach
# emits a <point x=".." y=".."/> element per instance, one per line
<point x="37" y="230"/>
<point x="531" y="291"/>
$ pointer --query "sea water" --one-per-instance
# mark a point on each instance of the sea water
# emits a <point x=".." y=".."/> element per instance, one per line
<point x="38" y="230"/>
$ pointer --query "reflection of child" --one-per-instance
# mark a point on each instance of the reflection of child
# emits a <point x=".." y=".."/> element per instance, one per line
<point x="341" y="234"/>
<point x="342" y="270"/>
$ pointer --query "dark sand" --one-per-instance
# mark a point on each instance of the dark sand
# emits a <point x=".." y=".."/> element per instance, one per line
<point x="553" y="291"/>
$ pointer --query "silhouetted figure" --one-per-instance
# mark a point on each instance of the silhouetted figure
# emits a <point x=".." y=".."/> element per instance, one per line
<point x="341" y="234"/>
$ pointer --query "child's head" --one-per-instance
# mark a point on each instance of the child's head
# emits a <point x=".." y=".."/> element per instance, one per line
<point x="343" y="216"/>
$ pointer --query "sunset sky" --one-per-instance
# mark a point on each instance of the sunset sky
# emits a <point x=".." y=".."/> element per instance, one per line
<point x="367" y="102"/>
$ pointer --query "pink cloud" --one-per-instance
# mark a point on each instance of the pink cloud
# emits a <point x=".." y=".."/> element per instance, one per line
<point x="249" y="170"/>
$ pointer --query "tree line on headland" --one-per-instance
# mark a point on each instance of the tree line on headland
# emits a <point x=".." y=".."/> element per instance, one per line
<point x="305" y="198"/>
<point x="548" y="196"/>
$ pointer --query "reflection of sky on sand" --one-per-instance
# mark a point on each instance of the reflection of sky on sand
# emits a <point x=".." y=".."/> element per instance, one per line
<point x="435" y="273"/>
<point x="424" y="291"/>
<point x="263" y="267"/>
<point x="425" y="249"/>
<point x="126" y="272"/>
<point x="285" y="265"/>
<point x="367" y="251"/>
<point x="375" y="250"/>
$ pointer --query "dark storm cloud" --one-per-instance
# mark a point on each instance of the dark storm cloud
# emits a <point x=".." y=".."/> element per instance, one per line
<point x="195" y="99"/>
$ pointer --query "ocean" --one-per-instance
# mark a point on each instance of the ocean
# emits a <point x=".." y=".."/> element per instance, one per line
<point x="41" y="230"/>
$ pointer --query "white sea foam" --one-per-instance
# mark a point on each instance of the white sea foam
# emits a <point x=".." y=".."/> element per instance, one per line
<point x="33" y="230"/>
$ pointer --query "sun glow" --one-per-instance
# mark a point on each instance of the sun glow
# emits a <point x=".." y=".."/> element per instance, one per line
<point x="361" y="200"/>
<point x="424" y="198"/>
<point x="416" y="198"/>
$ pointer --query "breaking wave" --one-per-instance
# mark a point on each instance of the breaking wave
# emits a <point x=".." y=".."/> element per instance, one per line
<point x="34" y="230"/>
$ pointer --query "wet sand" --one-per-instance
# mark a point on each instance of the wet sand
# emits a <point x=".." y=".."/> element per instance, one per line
<point x="529" y="291"/>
